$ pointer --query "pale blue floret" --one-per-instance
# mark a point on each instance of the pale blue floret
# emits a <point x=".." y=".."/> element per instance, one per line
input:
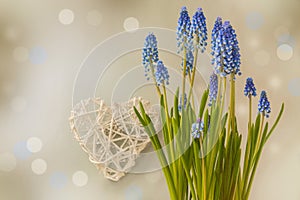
<point x="161" y="74"/>
<point x="149" y="53"/>
<point x="184" y="33"/>
<point x="213" y="88"/>
<point x="180" y="102"/>
<point x="226" y="56"/>
<point x="197" y="129"/>
<point x="199" y="29"/>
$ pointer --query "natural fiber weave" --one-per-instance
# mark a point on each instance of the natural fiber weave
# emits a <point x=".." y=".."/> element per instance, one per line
<point x="112" y="136"/>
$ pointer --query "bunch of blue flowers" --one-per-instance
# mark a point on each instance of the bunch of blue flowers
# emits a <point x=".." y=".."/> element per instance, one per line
<point x="203" y="145"/>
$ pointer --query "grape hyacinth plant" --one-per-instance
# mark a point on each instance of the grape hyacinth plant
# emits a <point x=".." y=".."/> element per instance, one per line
<point x="203" y="157"/>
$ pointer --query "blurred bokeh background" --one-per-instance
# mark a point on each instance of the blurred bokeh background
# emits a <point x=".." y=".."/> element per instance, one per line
<point x="42" y="45"/>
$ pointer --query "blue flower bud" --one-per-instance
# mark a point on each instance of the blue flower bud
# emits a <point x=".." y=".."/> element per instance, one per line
<point x="264" y="104"/>
<point x="250" y="89"/>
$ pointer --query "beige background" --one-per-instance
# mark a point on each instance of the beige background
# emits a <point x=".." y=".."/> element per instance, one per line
<point x="41" y="49"/>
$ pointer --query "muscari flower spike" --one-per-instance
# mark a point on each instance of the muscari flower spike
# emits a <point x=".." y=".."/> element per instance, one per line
<point x="184" y="33"/>
<point x="199" y="29"/>
<point x="189" y="62"/>
<point x="214" y="34"/>
<point x="226" y="51"/>
<point x="161" y="74"/>
<point x="250" y="89"/>
<point x="213" y="88"/>
<point x="150" y="53"/>
<point x="264" y="104"/>
<point x="180" y="102"/>
<point x="197" y="129"/>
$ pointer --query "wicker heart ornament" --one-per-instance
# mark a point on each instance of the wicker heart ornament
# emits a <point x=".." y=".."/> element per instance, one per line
<point x="112" y="136"/>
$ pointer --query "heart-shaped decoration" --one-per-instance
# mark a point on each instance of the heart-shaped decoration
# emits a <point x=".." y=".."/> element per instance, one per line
<point x="112" y="136"/>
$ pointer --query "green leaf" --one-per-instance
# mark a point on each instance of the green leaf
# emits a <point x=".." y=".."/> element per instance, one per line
<point x="276" y="122"/>
<point x="203" y="103"/>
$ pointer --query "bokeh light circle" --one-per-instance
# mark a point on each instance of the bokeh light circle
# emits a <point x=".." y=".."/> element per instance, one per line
<point x="20" y="150"/>
<point x="34" y="144"/>
<point x="37" y="55"/>
<point x="284" y="52"/>
<point x="133" y="192"/>
<point x="66" y="16"/>
<point x="131" y="24"/>
<point x="294" y="87"/>
<point x="80" y="178"/>
<point x="39" y="166"/>
<point x="254" y="20"/>
<point x="58" y="180"/>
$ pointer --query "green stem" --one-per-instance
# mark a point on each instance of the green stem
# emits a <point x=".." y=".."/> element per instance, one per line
<point x="172" y="156"/>
<point x="203" y="170"/>
<point x="183" y="77"/>
<point x="232" y="100"/>
<point x="188" y="175"/>
<point x="247" y="162"/>
<point x="193" y="73"/>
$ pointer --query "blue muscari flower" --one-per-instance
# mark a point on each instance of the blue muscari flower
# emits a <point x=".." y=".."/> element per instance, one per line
<point x="226" y="51"/>
<point x="180" y="102"/>
<point x="199" y="29"/>
<point x="264" y="104"/>
<point x="213" y="88"/>
<point x="250" y="89"/>
<point x="189" y="61"/>
<point x="184" y="33"/>
<point x="150" y="53"/>
<point x="197" y="129"/>
<point x="214" y="34"/>
<point x="161" y="74"/>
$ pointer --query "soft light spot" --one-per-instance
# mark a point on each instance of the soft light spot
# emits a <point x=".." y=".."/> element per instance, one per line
<point x="58" y="180"/>
<point x="284" y="52"/>
<point x="275" y="82"/>
<point x="253" y="42"/>
<point x="20" y="54"/>
<point x="8" y="162"/>
<point x="94" y="18"/>
<point x="254" y="20"/>
<point x="39" y="166"/>
<point x="274" y="148"/>
<point x="37" y="55"/>
<point x="34" y="144"/>
<point x="262" y="58"/>
<point x="66" y="16"/>
<point x="80" y="178"/>
<point x="20" y="150"/>
<point x="133" y="192"/>
<point x="18" y="104"/>
<point x="131" y="24"/>
<point x="11" y="34"/>
<point x="294" y="87"/>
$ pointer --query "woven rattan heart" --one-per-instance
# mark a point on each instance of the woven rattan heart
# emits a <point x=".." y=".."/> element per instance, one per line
<point x="111" y="135"/>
